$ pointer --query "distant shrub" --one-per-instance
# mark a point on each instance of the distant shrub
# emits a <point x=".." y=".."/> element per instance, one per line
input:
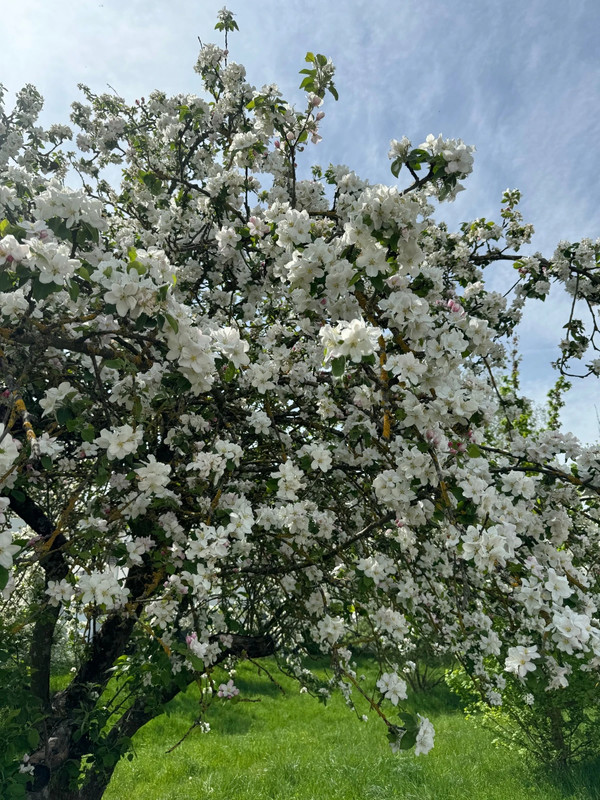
<point x="558" y="727"/>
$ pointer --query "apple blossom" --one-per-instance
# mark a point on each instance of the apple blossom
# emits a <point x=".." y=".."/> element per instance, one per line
<point x="520" y="660"/>
<point x="392" y="687"/>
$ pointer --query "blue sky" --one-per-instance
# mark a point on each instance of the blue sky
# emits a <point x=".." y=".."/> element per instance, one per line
<point x="519" y="80"/>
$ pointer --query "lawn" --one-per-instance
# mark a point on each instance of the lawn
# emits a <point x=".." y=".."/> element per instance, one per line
<point x="290" y="747"/>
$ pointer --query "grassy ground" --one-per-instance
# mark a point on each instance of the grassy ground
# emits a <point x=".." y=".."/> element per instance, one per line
<point x="290" y="747"/>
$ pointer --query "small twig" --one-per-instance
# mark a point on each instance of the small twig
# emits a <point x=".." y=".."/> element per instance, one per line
<point x="261" y="668"/>
<point x="195" y="724"/>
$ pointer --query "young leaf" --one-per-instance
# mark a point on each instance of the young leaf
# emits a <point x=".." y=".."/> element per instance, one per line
<point x="338" y="366"/>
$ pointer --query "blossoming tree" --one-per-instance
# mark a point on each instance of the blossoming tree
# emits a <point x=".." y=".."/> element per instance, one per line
<point x="246" y="414"/>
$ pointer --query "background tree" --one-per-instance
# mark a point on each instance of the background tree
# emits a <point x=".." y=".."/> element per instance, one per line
<point x="245" y="414"/>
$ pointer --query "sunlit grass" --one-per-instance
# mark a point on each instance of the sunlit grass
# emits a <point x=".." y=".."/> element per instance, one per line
<point x="290" y="747"/>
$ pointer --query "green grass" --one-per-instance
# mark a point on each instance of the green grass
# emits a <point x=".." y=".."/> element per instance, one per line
<point x="290" y="747"/>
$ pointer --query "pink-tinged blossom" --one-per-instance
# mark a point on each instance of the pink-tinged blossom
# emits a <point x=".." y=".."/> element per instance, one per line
<point x="228" y="690"/>
<point x="11" y="250"/>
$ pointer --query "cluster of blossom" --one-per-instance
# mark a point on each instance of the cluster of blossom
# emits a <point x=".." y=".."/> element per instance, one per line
<point x="228" y="690"/>
<point x="98" y="587"/>
<point x="7" y="549"/>
<point x="9" y="452"/>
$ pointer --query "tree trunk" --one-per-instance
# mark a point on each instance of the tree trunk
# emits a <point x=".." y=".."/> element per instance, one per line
<point x="52" y="783"/>
<point x="51" y="559"/>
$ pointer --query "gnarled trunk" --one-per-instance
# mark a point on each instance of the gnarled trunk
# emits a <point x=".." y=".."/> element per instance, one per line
<point x="59" y="746"/>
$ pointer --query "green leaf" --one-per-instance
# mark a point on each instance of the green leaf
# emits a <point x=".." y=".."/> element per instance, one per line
<point x="88" y="232"/>
<point x="338" y="366"/>
<point x="355" y="434"/>
<point x="153" y="183"/>
<point x="408" y="740"/>
<point x="172" y="322"/>
<point x="409" y="721"/>
<point x="308" y="84"/>
<point x="305" y="462"/>
<point x="40" y="291"/>
<point x="321" y="59"/>
<point x="73" y="289"/>
<point x="396" y="167"/>
<point x="6" y="282"/>
<point x="196" y="662"/>
<point x="63" y="415"/>
<point x="162" y="293"/>
<point x="4" y="575"/>
<point x="393" y="241"/>
<point x="473" y="450"/>
<point x="88" y="434"/>
<point x="33" y="738"/>
<point x="377" y="282"/>
<point x="310" y="57"/>
<point x="137" y="408"/>
<point x="229" y="373"/>
<point x="137" y="266"/>
<point x="109" y="758"/>
<point x="59" y="227"/>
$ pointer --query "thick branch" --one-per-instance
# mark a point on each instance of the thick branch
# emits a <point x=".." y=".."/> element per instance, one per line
<point x="52" y="561"/>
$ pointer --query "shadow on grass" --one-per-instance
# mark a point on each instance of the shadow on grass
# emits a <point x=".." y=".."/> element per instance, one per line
<point x="581" y="781"/>
<point x="224" y="716"/>
<point x="258" y="685"/>
<point x="227" y="720"/>
<point x="438" y="700"/>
